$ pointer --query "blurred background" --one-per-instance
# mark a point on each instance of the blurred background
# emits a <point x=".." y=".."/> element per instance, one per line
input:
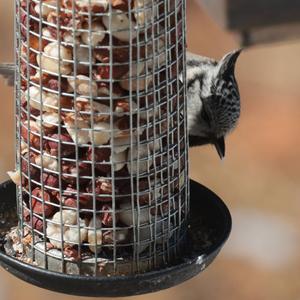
<point x="259" y="179"/>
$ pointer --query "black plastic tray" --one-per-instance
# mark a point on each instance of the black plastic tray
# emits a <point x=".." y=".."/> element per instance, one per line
<point x="209" y="217"/>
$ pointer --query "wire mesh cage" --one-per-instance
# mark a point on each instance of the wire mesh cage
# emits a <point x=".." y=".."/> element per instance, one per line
<point x="101" y="134"/>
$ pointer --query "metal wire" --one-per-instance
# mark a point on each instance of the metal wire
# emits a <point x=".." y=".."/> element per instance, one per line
<point x="101" y="133"/>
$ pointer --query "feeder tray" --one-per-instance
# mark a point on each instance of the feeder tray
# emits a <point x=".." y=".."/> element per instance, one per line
<point x="209" y="228"/>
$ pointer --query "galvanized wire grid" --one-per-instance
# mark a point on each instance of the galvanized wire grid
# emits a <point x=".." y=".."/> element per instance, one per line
<point x="102" y="135"/>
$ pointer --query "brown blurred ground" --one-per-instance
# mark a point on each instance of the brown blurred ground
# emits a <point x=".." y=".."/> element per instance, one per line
<point x="259" y="179"/>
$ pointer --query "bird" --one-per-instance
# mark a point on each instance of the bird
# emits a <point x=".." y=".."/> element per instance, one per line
<point x="213" y="99"/>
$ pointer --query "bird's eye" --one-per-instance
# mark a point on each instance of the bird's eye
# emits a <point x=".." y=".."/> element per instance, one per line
<point x="205" y="116"/>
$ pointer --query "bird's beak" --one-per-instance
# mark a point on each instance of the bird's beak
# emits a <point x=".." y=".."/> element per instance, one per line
<point x="220" y="146"/>
<point x="219" y="143"/>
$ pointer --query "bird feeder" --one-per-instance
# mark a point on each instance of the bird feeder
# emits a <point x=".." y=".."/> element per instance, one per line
<point x="103" y="199"/>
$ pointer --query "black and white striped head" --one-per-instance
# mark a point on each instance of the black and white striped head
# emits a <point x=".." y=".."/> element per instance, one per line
<point x="220" y="107"/>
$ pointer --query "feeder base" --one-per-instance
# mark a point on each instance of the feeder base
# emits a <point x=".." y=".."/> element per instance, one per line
<point x="209" y="228"/>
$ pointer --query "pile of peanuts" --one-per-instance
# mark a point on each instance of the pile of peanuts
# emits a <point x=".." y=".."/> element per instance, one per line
<point x="87" y="111"/>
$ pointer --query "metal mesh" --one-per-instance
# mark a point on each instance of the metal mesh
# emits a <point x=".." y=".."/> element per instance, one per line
<point x="101" y="131"/>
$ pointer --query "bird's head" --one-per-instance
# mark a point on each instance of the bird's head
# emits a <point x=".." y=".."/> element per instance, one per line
<point x="220" y="104"/>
